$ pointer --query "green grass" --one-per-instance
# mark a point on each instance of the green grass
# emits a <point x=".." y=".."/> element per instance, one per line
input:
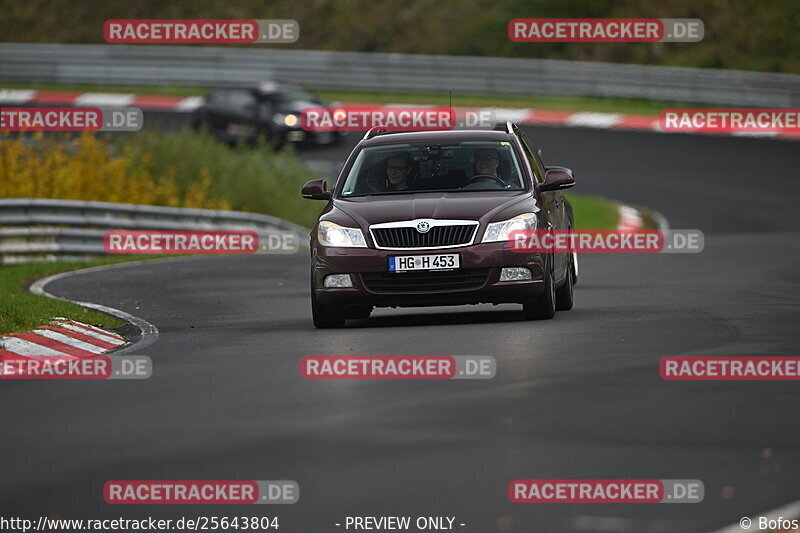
<point x="553" y="103"/>
<point x="89" y="88"/>
<point x="593" y="212"/>
<point x="22" y="311"/>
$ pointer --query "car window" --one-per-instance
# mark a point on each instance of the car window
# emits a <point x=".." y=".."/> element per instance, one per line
<point x="215" y="98"/>
<point x="240" y="99"/>
<point x="295" y="95"/>
<point x="418" y="167"/>
<point x="533" y="157"/>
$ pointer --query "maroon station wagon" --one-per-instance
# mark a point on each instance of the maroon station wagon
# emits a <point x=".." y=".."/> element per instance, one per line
<point x="423" y="219"/>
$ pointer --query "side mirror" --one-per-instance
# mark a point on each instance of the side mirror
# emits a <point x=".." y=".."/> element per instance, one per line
<point x="316" y="190"/>
<point x="557" y="178"/>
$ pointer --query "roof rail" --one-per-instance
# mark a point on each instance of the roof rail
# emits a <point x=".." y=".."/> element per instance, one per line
<point x="373" y="131"/>
<point x="506" y="126"/>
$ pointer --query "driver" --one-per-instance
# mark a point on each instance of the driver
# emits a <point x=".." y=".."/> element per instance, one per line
<point x="486" y="162"/>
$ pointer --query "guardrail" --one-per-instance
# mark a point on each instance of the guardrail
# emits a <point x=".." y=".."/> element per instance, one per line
<point x="209" y="66"/>
<point x="33" y="229"/>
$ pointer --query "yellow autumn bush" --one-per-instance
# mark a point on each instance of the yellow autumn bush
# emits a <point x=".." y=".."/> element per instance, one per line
<point x="91" y="168"/>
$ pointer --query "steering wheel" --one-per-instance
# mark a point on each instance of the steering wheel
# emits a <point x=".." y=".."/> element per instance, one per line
<point x="479" y="176"/>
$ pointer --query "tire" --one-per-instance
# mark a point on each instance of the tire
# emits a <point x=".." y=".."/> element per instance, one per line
<point x="574" y="268"/>
<point x="564" y="294"/>
<point x="544" y="306"/>
<point x="325" y="316"/>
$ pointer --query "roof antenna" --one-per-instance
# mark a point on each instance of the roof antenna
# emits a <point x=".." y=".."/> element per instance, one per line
<point x="452" y="114"/>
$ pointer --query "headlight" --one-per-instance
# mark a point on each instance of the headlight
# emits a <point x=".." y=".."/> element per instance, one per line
<point x="290" y="120"/>
<point x="499" y="231"/>
<point x="287" y="120"/>
<point x="331" y="234"/>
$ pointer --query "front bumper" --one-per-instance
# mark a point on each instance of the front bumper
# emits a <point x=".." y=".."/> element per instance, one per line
<point x="482" y="261"/>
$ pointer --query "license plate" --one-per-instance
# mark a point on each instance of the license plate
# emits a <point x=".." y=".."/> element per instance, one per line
<point x="240" y="129"/>
<point x="405" y="263"/>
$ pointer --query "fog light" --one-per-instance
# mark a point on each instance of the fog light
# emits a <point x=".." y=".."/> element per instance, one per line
<point x="338" y="281"/>
<point x="515" y="274"/>
<point x="295" y="136"/>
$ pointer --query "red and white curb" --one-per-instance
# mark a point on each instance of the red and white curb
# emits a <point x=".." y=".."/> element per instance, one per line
<point x="583" y="119"/>
<point x="608" y="121"/>
<point x="63" y="339"/>
<point x="142" y="101"/>
<point x="629" y="218"/>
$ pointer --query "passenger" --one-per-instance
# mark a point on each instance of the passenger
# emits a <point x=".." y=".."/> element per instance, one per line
<point x="398" y="171"/>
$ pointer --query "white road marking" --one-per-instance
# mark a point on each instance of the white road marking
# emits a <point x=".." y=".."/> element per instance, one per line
<point x="594" y="120"/>
<point x="190" y="103"/>
<point x="105" y="99"/>
<point x="16" y="96"/>
<point x="91" y="333"/>
<point x="503" y="114"/>
<point x="89" y="326"/>
<point x="23" y="347"/>
<point x="149" y="331"/>
<point x="64" y="339"/>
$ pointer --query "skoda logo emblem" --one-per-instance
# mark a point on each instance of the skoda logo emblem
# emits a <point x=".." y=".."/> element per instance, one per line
<point x="423" y="227"/>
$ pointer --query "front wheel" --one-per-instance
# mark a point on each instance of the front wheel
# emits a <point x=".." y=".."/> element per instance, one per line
<point x="544" y="306"/>
<point x="325" y="316"/>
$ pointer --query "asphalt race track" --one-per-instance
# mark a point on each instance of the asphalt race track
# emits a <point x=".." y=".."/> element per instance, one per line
<point x="576" y="397"/>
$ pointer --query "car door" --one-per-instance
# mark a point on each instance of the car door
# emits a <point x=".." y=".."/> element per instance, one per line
<point x="215" y="116"/>
<point x="241" y="109"/>
<point x="552" y="201"/>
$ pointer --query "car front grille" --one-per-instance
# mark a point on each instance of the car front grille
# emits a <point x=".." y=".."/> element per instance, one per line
<point x="458" y="280"/>
<point x="436" y="237"/>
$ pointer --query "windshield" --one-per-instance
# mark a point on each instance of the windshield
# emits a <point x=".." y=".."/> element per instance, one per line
<point x="424" y="167"/>
<point x="293" y="95"/>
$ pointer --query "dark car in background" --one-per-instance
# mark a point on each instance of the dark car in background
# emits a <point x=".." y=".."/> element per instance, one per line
<point x="271" y="110"/>
<point x="424" y="218"/>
